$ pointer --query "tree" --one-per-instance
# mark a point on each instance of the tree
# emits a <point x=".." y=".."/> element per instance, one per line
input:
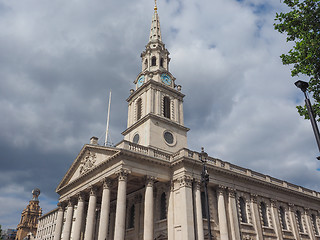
<point x="0" y="233"/>
<point x="302" y="26"/>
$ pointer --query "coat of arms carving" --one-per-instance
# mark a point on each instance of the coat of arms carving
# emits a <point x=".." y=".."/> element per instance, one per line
<point x="87" y="162"/>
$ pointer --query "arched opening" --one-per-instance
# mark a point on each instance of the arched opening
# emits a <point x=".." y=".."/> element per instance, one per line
<point x="163" y="206"/>
<point x="283" y="218"/>
<point x="139" y="108"/>
<point x="153" y="61"/>
<point x="299" y="219"/>
<point x="145" y="64"/>
<point x="315" y="225"/>
<point x="264" y="214"/>
<point x="243" y="211"/>
<point x="166" y="107"/>
<point x="161" y="62"/>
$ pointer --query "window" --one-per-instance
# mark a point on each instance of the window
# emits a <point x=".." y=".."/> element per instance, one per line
<point x="153" y="61"/>
<point x="264" y="215"/>
<point x="299" y="220"/>
<point x="283" y="218"/>
<point x="243" y="211"/>
<point x="163" y="206"/>
<point x="314" y="223"/>
<point x="136" y="138"/>
<point x="145" y="64"/>
<point x="139" y="108"/>
<point x="131" y="217"/>
<point x="161" y="62"/>
<point x="166" y="107"/>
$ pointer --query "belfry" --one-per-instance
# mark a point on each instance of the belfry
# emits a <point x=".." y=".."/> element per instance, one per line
<point x="149" y="186"/>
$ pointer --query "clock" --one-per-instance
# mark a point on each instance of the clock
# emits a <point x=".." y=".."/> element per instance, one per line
<point x="165" y="78"/>
<point x="140" y="81"/>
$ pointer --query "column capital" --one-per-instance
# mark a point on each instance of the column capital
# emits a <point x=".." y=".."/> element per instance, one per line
<point x="291" y="206"/>
<point x="93" y="190"/>
<point x="185" y="181"/>
<point x="253" y="197"/>
<point x="221" y="189"/>
<point x="106" y="183"/>
<point x="231" y="192"/>
<point x="197" y="184"/>
<point x="61" y="206"/>
<point x="70" y="201"/>
<point x="123" y="174"/>
<point x="81" y="197"/>
<point x="273" y="203"/>
<point x="150" y="180"/>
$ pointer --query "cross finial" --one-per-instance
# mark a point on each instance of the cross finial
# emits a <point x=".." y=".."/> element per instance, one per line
<point x="155" y="5"/>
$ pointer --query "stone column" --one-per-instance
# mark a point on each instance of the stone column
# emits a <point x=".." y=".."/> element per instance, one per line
<point x="170" y="213"/>
<point x="58" y="230"/>
<point x="223" y="223"/>
<point x="256" y="216"/>
<point x="186" y="206"/>
<point x="91" y="215"/>
<point x="233" y="214"/>
<point x="275" y="219"/>
<point x="198" y="210"/>
<point x="79" y="218"/>
<point x="105" y="210"/>
<point x="68" y="223"/>
<point x="294" y="224"/>
<point x="309" y="224"/>
<point x="120" y="220"/>
<point x="148" y="209"/>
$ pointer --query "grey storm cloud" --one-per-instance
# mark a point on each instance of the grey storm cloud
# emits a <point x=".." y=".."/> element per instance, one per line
<point x="59" y="60"/>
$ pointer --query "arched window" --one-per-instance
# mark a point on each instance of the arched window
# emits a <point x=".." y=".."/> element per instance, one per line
<point x="299" y="220"/>
<point x="314" y="222"/>
<point x="264" y="215"/>
<point x="283" y="218"/>
<point x="153" y="61"/>
<point x="145" y="64"/>
<point x="139" y="108"/>
<point x="166" y="107"/>
<point x="131" y="217"/>
<point x="203" y="205"/>
<point x="243" y="210"/>
<point x="161" y="62"/>
<point x="163" y="206"/>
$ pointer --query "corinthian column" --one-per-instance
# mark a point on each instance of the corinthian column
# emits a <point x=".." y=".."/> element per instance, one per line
<point x="148" y="210"/>
<point x="91" y="215"/>
<point x="121" y="206"/>
<point x="233" y="214"/>
<point x="223" y="223"/>
<point x="105" y="210"/>
<point x="57" y="234"/>
<point x="68" y="223"/>
<point x="198" y="208"/>
<point x="79" y="218"/>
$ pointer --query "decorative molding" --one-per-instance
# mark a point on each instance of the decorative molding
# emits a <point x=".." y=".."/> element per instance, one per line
<point x="231" y="192"/>
<point x="185" y="181"/>
<point x="221" y="189"/>
<point x="254" y="198"/>
<point x="87" y="163"/>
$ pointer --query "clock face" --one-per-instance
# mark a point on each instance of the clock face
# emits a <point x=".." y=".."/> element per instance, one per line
<point x="140" y="81"/>
<point x="165" y="78"/>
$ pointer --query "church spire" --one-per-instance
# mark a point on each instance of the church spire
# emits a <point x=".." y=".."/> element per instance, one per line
<point x="155" y="33"/>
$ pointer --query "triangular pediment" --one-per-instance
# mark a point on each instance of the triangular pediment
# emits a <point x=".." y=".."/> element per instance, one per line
<point x="89" y="158"/>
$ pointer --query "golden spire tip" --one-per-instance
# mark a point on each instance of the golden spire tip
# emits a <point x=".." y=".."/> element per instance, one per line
<point x="155" y="5"/>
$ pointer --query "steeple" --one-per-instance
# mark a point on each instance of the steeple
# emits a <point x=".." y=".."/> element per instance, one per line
<point x="155" y="106"/>
<point x="155" y="33"/>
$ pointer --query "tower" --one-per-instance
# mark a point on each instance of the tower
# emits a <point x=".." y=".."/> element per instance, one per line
<point x="155" y="106"/>
<point x="29" y="217"/>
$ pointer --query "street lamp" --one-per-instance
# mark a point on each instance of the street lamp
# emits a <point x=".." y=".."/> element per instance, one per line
<point x="205" y="180"/>
<point x="303" y="86"/>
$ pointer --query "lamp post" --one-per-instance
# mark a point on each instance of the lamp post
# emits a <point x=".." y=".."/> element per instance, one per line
<point x="205" y="180"/>
<point x="303" y="86"/>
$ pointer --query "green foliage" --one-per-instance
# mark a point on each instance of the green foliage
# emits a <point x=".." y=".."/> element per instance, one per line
<point x="0" y="233"/>
<point x="302" y="26"/>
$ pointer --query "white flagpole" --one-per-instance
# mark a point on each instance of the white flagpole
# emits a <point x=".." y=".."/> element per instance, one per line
<point x="107" y="128"/>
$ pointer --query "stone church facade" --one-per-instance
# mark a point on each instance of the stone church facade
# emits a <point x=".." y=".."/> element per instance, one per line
<point x="149" y="185"/>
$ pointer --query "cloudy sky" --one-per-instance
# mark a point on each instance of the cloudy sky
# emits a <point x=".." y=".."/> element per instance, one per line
<point x="59" y="60"/>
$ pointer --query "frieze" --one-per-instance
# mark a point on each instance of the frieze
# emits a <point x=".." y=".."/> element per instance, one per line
<point x="87" y="162"/>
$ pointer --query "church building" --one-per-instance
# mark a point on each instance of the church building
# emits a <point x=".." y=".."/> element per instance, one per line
<point x="149" y="185"/>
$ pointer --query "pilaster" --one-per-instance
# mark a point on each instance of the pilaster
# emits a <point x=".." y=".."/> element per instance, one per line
<point x="223" y="223"/>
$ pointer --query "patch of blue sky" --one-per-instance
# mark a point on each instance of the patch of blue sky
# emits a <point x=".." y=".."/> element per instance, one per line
<point x="261" y="8"/>
<point x="212" y="46"/>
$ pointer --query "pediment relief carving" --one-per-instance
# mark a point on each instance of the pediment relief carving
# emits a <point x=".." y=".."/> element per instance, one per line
<point x="88" y="162"/>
